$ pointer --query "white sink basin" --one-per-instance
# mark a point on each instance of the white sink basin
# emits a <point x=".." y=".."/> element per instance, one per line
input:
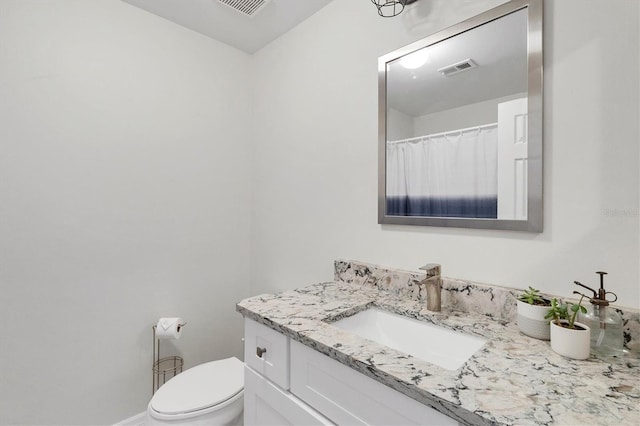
<point x="446" y="348"/>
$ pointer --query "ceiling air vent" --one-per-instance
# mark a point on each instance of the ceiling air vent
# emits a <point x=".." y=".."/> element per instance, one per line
<point x="458" y="67"/>
<point x="246" y="7"/>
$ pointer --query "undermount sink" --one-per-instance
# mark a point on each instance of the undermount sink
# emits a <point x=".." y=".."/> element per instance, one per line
<point x="437" y="345"/>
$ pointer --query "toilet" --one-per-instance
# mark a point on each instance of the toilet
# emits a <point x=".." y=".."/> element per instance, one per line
<point x="208" y="394"/>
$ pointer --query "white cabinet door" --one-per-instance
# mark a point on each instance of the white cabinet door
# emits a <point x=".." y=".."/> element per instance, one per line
<point x="267" y="352"/>
<point x="350" y="398"/>
<point x="267" y="404"/>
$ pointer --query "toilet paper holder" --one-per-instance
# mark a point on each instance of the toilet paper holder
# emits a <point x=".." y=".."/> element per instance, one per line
<point x="164" y="368"/>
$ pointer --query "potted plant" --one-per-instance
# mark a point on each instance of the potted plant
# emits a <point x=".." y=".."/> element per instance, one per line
<point x="568" y="337"/>
<point x="532" y="311"/>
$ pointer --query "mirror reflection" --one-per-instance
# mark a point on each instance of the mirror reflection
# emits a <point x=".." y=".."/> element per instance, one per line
<point x="456" y="134"/>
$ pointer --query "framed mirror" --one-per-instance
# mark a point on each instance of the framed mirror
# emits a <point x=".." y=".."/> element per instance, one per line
<point x="460" y="124"/>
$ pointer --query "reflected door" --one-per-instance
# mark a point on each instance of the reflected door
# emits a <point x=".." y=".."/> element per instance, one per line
<point x="512" y="159"/>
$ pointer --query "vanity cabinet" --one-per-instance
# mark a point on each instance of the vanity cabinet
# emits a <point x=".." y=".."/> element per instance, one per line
<point x="267" y="399"/>
<point x="267" y="352"/>
<point x="290" y="383"/>
<point x="267" y="404"/>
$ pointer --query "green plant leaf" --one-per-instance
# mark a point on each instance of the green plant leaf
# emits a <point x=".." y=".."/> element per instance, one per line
<point x="532" y="297"/>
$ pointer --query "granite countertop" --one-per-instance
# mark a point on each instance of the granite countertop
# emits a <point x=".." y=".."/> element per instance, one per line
<point x="513" y="379"/>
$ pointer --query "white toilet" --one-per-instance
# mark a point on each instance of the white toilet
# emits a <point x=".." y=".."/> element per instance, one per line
<point x="208" y="394"/>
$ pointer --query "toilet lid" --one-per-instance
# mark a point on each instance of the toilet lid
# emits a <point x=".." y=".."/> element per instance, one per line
<point x="200" y="387"/>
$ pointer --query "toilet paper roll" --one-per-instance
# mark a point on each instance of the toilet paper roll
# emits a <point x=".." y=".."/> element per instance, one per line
<point x="169" y="328"/>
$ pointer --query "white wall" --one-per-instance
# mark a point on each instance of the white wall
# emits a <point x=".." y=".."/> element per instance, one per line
<point x="399" y="125"/>
<point x="477" y="114"/>
<point x="124" y="197"/>
<point x="315" y="181"/>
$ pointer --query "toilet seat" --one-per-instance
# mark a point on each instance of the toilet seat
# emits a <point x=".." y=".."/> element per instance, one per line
<point x="205" y="388"/>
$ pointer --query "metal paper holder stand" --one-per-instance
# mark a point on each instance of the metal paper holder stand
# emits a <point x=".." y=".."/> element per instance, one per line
<point x="164" y="368"/>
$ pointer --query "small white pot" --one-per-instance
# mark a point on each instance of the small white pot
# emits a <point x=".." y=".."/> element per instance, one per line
<point x="570" y="342"/>
<point x="531" y="320"/>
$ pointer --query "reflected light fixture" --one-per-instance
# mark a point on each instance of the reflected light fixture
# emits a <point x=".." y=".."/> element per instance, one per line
<point x="415" y="60"/>
<point x="391" y="8"/>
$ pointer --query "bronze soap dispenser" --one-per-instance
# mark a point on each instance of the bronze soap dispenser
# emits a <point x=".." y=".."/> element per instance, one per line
<point x="605" y="322"/>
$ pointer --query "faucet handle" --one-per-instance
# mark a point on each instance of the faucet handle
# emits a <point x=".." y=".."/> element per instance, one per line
<point x="432" y="269"/>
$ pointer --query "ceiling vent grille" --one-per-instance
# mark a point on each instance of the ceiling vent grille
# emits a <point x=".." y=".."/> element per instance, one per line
<point x="458" y="67"/>
<point x="246" y="7"/>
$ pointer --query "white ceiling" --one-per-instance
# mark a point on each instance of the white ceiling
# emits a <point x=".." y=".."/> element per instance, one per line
<point x="499" y="48"/>
<point x="222" y="23"/>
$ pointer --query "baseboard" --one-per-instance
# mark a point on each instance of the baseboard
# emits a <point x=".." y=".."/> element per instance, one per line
<point x="137" y="420"/>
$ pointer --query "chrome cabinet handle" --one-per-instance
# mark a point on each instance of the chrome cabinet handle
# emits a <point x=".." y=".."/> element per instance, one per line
<point x="260" y="351"/>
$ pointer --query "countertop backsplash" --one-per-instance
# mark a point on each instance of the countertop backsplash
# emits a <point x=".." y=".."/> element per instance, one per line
<point x="461" y="295"/>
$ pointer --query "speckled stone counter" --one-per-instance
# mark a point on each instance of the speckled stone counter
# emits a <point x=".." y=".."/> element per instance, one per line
<point x="513" y="379"/>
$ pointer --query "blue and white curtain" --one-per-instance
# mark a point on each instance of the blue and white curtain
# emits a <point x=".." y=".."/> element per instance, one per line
<point x="452" y="174"/>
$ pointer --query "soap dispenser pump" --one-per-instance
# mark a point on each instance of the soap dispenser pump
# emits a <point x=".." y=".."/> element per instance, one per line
<point x="605" y="322"/>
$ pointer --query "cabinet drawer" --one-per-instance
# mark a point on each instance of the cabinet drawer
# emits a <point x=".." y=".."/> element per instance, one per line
<point x="267" y="404"/>
<point x="267" y="352"/>
<point x="347" y="397"/>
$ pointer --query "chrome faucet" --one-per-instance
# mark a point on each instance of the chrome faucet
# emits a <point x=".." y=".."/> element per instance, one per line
<point x="433" y="284"/>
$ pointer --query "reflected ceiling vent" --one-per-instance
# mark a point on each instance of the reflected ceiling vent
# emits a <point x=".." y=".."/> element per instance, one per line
<point x="246" y="7"/>
<point x="457" y="68"/>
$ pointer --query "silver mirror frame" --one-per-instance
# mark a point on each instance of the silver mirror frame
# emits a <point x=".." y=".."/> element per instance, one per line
<point x="535" y="91"/>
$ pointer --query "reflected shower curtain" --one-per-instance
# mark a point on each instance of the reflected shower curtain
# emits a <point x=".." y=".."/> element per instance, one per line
<point x="451" y="174"/>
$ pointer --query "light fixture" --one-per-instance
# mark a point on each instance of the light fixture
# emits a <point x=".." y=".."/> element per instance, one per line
<point x="390" y="8"/>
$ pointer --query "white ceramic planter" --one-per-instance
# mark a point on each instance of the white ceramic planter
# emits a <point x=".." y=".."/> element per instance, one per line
<point x="569" y="342"/>
<point x="531" y="320"/>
